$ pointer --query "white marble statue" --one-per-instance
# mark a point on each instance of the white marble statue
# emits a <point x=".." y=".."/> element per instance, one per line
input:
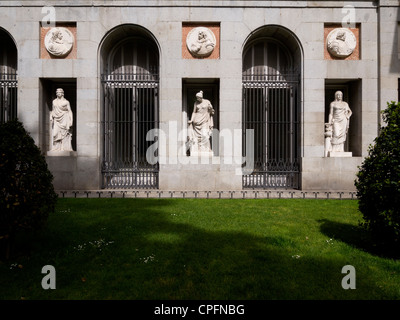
<point x="200" y="126"/>
<point x="339" y="120"/>
<point x="61" y="120"/>
<point x="59" y="41"/>
<point x="201" y="42"/>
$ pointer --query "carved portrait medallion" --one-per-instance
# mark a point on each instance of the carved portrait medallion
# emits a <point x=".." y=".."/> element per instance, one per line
<point x="201" y="42"/>
<point x="341" y="42"/>
<point x="59" y="41"/>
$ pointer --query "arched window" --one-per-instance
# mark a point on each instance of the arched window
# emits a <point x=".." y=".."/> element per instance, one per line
<point x="266" y="56"/>
<point x="134" y="56"/>
<point x="8" y="78"/>
<point x="130" y="84"/>
<point x="270" y="82"/>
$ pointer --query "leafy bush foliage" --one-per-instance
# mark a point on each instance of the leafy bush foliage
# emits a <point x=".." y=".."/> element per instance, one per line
<point x="378" y="182"/>
<point x="27" y="194"/>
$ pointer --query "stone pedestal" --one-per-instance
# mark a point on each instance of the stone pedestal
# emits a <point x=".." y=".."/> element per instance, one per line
<point x="206" y="154"/>
<point x="340" y="154"/>
<point x="61" y="153"/>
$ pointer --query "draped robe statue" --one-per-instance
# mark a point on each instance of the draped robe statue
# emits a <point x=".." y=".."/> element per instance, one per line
<point x="61" y="123"/>
<point x="339" y="120"/>
<point x="201" y="125"/>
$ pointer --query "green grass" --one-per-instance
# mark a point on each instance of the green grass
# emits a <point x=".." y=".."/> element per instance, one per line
<point x="200" y="249"/>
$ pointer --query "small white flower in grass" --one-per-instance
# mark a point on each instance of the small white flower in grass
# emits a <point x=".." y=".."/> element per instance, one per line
<point x="296" y="256"/>
<point x="97" y="244"/>
<point x="80" y="247"/>
<point x="13" y="265"/>
<point x="148" y="259"/>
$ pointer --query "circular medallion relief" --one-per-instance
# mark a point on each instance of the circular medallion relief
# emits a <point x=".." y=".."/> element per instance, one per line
<point x="201" y="42"/>
<point x="59" y="41"/>
<point x="341" y="42"/>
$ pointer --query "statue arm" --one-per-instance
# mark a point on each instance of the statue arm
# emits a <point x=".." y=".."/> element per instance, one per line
<point x="349" y="112"/>
<point x="70" y="114"/>
<point x="211" y="109"/>
<point x="330" y="113"/>
<point x="194" y="110"/>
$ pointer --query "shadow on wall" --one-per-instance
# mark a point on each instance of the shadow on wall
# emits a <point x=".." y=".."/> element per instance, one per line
<point x="395" y="60"/>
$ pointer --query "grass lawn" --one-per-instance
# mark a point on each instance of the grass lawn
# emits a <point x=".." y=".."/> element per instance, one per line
<point x="200" y="249"/>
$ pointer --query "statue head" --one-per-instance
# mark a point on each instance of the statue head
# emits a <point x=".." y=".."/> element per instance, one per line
<point x="57" y="35"/>
<point x="341" y="36"/>
<point x="59" y="92"/>
<point x="338" y="95"/>
<point x="201" y="35"/>
<point x="199" y="96"/>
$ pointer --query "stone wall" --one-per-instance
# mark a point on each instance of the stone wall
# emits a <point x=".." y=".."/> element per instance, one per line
<point x="377" y="71"/>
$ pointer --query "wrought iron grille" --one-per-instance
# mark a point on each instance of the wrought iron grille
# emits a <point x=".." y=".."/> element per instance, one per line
<point x="270" y="109"/>
<point x="130" y="111"/>
<point x="8" y="96"/>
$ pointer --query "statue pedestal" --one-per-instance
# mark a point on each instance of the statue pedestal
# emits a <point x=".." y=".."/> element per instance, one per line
<point x="61" y="153"/>
<point x="206" y="154"/>
<point x="340" y="154"/>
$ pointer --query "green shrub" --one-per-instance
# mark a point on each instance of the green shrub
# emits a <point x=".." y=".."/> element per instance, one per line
<point x="378" y="182"/>
<point x="27" y="194"/>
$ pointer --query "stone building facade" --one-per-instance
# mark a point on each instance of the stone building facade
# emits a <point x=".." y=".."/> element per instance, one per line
<point x="133" y="70"/>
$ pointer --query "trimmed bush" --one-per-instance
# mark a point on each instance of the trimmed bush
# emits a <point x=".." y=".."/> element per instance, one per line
<point x="378" y="182"/>
<point x="27" y="194"/>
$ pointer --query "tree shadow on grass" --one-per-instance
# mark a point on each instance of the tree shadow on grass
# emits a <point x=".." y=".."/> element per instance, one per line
<point x="357" y="237"/>
<point x="202" y="263"/>
<point x="163" y="257"/>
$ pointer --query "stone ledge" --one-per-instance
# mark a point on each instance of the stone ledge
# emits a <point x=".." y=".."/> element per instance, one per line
<point x="333" y="154"/>
<point x="195" y="3"/>
<point x="61" y="154"/>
